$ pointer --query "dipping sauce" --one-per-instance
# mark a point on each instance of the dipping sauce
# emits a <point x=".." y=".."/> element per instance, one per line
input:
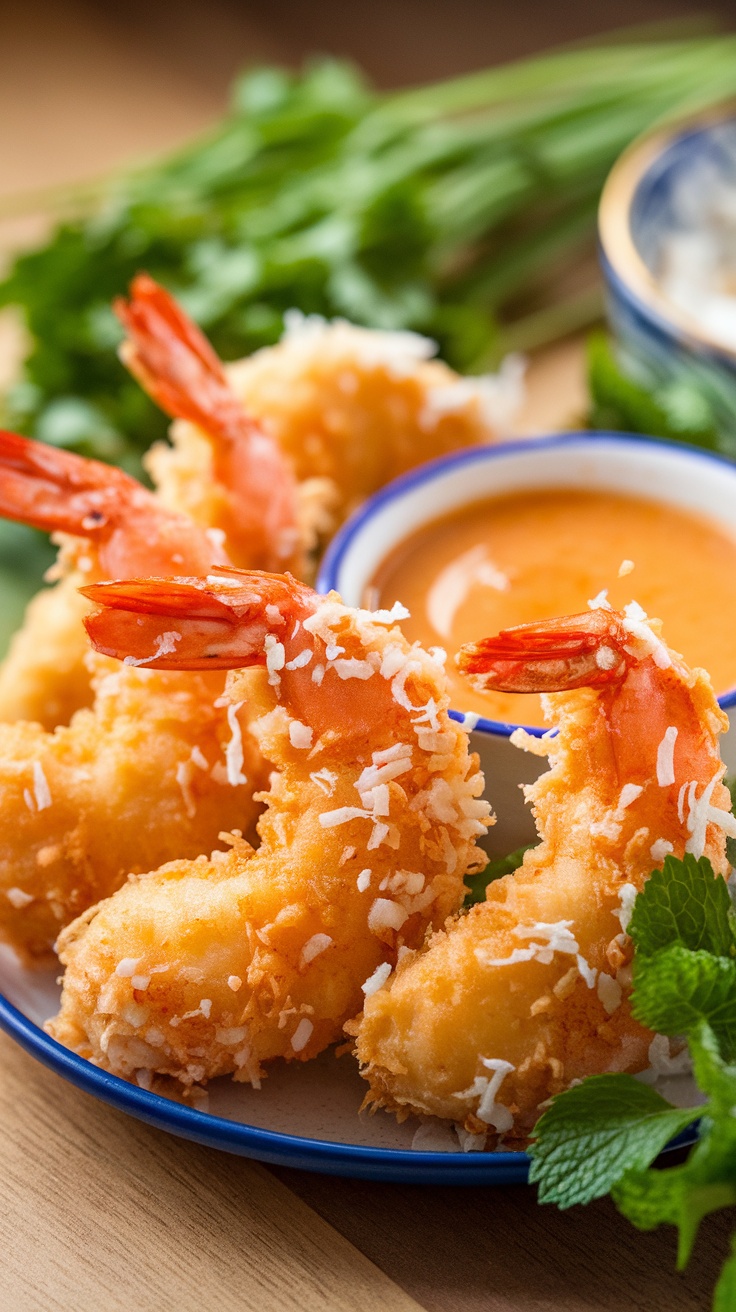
<point x="531" y="556"/>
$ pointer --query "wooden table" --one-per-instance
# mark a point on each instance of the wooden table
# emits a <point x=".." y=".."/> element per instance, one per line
<point x="98" y="1212"/>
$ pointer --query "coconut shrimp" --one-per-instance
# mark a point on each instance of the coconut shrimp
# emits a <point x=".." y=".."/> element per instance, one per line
<point x="351" y="408"/>
<point x="110" y="526"/>
<point x="211" y="967"/>
<point x="527" y="992"/>
<point x="238" y="481"/>
<point x="142" y="774"/>
<point x="157" y="767"/>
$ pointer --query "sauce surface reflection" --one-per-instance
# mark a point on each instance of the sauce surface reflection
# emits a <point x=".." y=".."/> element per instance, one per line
<point x="513" y="559"/>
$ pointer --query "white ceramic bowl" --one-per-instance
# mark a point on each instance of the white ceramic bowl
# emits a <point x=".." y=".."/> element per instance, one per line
<point x="669" y="472"/>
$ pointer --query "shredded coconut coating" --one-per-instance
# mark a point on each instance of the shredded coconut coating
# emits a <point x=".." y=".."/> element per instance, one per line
<point x="537" y="976"/>
<point x="115" y="792"/>
<point x="352" y="408"/>
<point x="261" y="916"/>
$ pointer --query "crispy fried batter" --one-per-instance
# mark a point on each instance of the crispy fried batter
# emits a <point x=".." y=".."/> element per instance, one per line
<point x="528" y="992"/>
<point x="120" y="789"/>
<point x="216" y="966"/>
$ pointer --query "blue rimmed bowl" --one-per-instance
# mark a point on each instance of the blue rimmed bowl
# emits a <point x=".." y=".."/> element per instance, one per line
<point x="306" y="1116"/>
<point x="648" y="199"/>
<point x="677" y="475"/>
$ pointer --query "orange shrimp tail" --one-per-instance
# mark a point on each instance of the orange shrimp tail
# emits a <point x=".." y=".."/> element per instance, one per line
<point x="56" y="490"/>
<point x="574" y="651"/>
<point x="193" y="624"/>
<point x="175" y="363"/>
<point x="178" y="368"/>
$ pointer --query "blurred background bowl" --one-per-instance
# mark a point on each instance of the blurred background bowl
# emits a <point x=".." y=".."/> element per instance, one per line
<point x="660" y="190"/>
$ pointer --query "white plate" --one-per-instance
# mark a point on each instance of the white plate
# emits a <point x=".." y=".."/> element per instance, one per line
<point x="306" y="1114"/>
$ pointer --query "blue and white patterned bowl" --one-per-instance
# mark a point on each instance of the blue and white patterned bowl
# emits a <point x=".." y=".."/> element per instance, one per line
<point x="641" y="207"/>
<point x="671" y="472"/>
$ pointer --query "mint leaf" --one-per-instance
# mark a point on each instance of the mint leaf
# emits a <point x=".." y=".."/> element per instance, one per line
<point x="707" y="1181"/>
<point x="676" y="989"/>
<point x="725" y="1295"/>
<point x="496" y="869"/>
<point x="595" y="1132"/>
<point x="684" y="902"/>
<point x="651" y="1198"/>
<point x="714" y="1075"/>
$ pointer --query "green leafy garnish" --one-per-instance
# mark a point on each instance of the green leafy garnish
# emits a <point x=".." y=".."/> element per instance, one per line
<point x="595" y="1132"/>
<point x="603" y="1136"/>
<point x="683" y="903"/>
<point x="676" y="988"/>
<point x="725" y="1295"/>
<point x="496" y="869"/>
<point x="627" y="397"/>
<point x="458" y="210"/>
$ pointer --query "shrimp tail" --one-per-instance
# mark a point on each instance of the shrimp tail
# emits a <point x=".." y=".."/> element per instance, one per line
<point x="181" y="372"/>
<point x="575" y="651"/>
<point x="56" y="490"/>
<point x="175" y="363"/>
<point x="193" y="624"/>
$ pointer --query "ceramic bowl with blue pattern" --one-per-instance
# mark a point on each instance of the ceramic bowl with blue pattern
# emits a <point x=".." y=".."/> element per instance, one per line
<point x="667" y="228"/>
<point x="677" y="475"/>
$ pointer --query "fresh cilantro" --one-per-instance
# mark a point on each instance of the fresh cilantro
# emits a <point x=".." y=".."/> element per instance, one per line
<point x="628" y="396"/>
<point x="683" y="903"/>
<point x="496" y="869"/>
<point x="596" y="1131"/>
<point x="731" y="842"/>
<point x="603" y="1135"/>
<point x="441" y="209"/>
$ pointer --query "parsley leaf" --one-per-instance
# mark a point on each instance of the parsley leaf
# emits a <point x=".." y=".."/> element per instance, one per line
<point x="676" y="988"/>
<point x="684" y="903"/>
<point x="595" y="1132"/>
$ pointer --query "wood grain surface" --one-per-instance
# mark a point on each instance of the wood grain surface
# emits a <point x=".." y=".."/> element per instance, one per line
<point x="99" y="1213"/>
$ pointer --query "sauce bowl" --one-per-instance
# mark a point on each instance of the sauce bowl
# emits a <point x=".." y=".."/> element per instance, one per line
<point x="671" y="473"/>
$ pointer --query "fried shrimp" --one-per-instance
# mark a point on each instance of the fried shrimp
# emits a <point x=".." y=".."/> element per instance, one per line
<point x="140" y="776"/>
<point x="527" y="992"/>
<point x="211" y="967"/>
<point x="110" y="527"/>
<point x="155" y="768"/>
<point x="351" y="408"/>
<point x="241" y="484"/>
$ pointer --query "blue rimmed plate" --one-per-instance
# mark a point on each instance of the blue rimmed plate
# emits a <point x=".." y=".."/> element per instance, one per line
<point x="305" y="1116"/>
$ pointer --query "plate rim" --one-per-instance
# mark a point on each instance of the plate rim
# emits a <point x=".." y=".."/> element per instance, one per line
<point x="276" y="1147"/>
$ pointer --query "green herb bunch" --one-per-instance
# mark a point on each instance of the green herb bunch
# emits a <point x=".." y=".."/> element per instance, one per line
<point x="603" y="1135"/>
<point x="684" y="402"/>
<point x="444" y="209"/>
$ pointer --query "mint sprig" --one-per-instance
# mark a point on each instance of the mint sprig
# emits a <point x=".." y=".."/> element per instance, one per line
<point x="677" y="988"/>
<point x="595" y="1132"/>
<point x="603" y="1135"/>
<point x="683" y="903"/>
<point x="725" y="1295"/>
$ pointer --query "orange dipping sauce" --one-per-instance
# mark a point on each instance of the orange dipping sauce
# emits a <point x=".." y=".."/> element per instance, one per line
<point x="533" y="555"/>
